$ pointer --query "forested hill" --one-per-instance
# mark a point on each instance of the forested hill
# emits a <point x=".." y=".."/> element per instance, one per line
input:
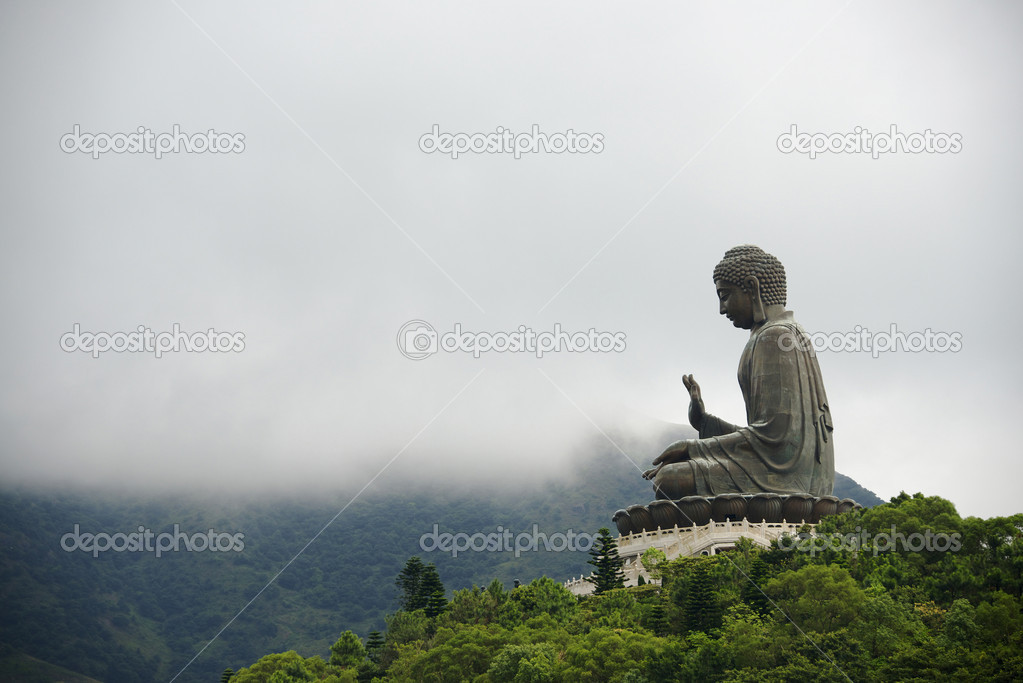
<point x="905" y="591"/>
<point x="132" y="616"/>
<point x="845" y="487"/>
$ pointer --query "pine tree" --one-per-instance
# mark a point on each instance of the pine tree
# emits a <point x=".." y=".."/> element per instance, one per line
<point x="410" y="583"/>
<point x="347" y="651"/>
<point x="436" y="604"/>
<point x="752" y="593"/>
<point x="608" y="572"/>
<point x="432" y="591"/>
<point x="497" y="592"/>
<point x="658" y="620"/>
<point x="374" y="644"/>
<point x="699" y="611"/>
<point x="226" y="676"/>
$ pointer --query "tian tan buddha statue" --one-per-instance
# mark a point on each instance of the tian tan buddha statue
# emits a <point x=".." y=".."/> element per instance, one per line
<point x="786" y="446"/>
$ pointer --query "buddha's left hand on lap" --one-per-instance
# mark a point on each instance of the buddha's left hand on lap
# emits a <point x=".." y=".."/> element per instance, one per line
<point x="676" y="452"/>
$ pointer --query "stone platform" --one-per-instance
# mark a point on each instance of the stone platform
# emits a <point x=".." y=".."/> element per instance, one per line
<point x="696" y="525"/>
<point x="708" y="539"/>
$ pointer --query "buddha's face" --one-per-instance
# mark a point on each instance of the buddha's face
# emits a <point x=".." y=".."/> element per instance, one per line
<point x="735" y="304"/>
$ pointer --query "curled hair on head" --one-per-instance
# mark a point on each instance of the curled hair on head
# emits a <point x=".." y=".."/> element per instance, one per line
<point x="748" y="260"/>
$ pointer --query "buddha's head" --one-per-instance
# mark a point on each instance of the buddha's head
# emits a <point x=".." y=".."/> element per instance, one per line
<point x="748" y="279"/>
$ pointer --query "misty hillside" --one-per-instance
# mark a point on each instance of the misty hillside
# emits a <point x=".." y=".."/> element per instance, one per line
<point x="130" y="616"/>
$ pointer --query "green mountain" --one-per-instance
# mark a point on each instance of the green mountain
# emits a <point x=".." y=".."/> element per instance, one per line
<point x="298" y="575"/>
<point x="905" y="591"/>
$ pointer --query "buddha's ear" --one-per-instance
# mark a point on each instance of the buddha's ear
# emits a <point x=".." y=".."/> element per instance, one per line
<point x="759" y="314"/>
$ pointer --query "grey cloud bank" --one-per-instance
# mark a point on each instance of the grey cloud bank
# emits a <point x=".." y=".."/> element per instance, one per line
<point x="333" y="228"/>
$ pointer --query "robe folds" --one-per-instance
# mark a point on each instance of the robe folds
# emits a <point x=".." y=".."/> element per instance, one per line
<point x="787" y="445"/>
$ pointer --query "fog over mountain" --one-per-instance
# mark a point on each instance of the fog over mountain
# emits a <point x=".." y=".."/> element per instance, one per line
<point x="319" y="229"/>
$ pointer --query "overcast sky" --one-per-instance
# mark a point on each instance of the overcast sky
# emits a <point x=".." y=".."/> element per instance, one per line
<point x="327" y="229"/>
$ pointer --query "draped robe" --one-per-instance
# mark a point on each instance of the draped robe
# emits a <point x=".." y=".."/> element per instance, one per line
<point x="786" y="446"/>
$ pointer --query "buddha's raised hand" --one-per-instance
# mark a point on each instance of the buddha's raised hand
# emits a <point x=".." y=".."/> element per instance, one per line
<point x="696" y="408"/>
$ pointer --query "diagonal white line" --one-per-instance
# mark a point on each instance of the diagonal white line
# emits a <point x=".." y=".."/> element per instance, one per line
<point x="326" y="155"/>
<point x="609" y="439"/>
<point x="697" y="153"/>
<point x="785" y="614"/>
<point x="588" y="419"/>
<point x="332" y="520"/>
<point x="613" y="443"/>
